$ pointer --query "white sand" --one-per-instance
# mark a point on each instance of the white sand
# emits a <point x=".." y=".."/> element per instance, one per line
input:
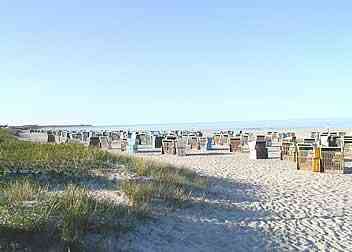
<point x="254" y="205"/>
<point x="251" y="205"/>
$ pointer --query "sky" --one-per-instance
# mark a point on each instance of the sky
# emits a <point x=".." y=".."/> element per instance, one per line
<point x="130" y="62"/>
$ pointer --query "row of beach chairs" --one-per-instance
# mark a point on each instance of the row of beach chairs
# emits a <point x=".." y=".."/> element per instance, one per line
<point x="319" y="156"/>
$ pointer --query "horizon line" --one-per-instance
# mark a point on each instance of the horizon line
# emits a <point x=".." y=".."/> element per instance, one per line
<point x="180" y="123"/>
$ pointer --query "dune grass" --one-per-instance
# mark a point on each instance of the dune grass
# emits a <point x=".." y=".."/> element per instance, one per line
<point x="32" y="211"/>
<point x="22" y="190"/>
<point x="166" y="182"/>
<point x="63" y="217"/>
<point x="80" y="213"/>
<point x="61" y="159"/>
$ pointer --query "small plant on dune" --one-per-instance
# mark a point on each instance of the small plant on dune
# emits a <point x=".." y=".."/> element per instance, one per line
<point x="23" y="190"/>
<point x="23" y="208"/>
<point x="139" y="165"/>
<point x="167" y="183"/>
<point x="81" y="213"/>
<point x="75" y="207"/>
<point x="170" y="174"/>
<point x="138" y="194"/>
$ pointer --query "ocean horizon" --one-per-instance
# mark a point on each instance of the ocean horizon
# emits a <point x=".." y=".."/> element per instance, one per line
<point x="230" y="125"/>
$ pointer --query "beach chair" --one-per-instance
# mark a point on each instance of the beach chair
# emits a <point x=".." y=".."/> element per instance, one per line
<point x="181" y="147"/>
<point x="341" y="134"/>
<point x="124" y="144"/>
<point x="309" y="141"/>
<point x="244" y="143"/>
<point x="216" y="139"/>
<point x="261" y="150"/>
<point x="158" y="142"/>
<point x="252" y="150"/>
<point x="225" y="140"/>
<point x="275" y="137"/>
<point x="257" y="150"/>
<point x="244" y="139"/>
<point x="261" y="138"/>
<point x="132" y="146"/>
<point x="116" y="144"/>
<point x="332" y="160"/>
<point x="235" y="144"/>
<point x="315" y="135"/>
<point x="194" y="143"/>
<point x="333" y="141"/>
<point x="324" y="139"/>
<point x="347" y="152"/>
<point x="285" y="146"/>
<point x="292" y="135"/>
<point x="168" y="147"/>
<point x="51" y="138"/>
<point x="94" y="142"/>
<point x="209" y="143"/>
<point x="85" y="137"/>
<point x="202" y="144"/>
<point x="274" y="151"/>
<point x="317" y="160"/>
<point x="104" y="142"/>
<point x="292" y="152"/>
<point x="305" y="157"/>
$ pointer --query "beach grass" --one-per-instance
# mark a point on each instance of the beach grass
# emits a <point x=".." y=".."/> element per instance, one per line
<point x="163" y="182"/>
<point x="31" y="209"/>
<point x="63" y="217"/>
<point x="61" y="159"/>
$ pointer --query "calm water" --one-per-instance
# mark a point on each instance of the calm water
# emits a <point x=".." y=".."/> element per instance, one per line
<point x="247" y="125"/>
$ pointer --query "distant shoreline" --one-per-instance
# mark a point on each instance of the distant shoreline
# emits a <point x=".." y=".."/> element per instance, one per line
<point x="50" y="126"/>
<point x="330" y="123"/>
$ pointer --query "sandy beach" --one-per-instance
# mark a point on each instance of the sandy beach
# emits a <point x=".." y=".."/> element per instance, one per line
<point x="254" y="205"/>
<point x="250" y="205"/>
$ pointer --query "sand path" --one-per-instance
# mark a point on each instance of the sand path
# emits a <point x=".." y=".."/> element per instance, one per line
<point x="255" y="205"/>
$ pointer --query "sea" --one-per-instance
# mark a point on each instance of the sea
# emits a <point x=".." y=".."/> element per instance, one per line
<point x="273" y="125"/>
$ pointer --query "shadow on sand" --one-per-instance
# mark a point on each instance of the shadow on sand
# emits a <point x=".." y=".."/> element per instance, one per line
<point x="225" y="218"/>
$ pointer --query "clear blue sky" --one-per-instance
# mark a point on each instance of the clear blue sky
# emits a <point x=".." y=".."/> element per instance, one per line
<point x="126" y="62"/>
